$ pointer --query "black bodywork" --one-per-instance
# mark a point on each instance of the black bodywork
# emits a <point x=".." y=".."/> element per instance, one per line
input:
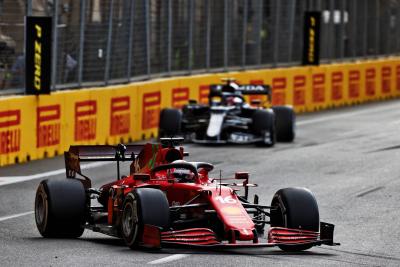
<point x="227" y="118"/>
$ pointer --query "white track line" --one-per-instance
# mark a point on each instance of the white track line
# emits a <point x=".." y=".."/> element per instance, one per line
<point x="17" y="179"/>
<point x="15" y="216"/>
<point x="174" y="257"/>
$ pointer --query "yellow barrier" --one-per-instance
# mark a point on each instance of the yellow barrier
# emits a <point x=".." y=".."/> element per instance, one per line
<point x="34" y="127"/>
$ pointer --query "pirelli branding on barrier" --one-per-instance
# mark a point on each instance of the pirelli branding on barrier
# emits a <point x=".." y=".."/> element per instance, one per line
<point x="120" y="115"/>
<point x="279" y="85"/>
<point x="204" y="90"/>
<point x="398" y="77"/>
<point x="85" y="120"/>
<point x="180" y="97"/>
<point x="48" y="126"/>
<point x="318" y="88"/>
<point x="151" y="106"/>
<point x="38" y="55"/>
<point x="312" y="21"/>
<point x="354" y="83"/>
<point x="386" y="76"/>
<point x="299" y="90"/>
<point x="337" y="85"/>
<point x="10" y="131"/>
<point x="370" y="81"/>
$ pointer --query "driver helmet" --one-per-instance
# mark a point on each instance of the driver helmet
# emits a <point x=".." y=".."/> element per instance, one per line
<point x="182" y="174"/>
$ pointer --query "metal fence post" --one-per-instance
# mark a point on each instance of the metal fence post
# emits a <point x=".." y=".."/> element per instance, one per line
<point x="208" y="34"/>
<point x="29" y="8"/>
<point x="331" y="29"/>
<point x="259" y="29"/>
<point x="55" y="46"/>
<point x="353" y="23"/>
<point x="226" y="30"/>
<point x="190" y="41"/>
<point x="130" y="42"/>
<point x="398" y="29"/>
<point x="169" y="63"/>
<point x="365" y="30"/>
<point x="341" y="29"/>
<point x="147" y="24"/>
<point x="244" y="37"/>
<point x="276" y="32"/>
<point x="81" y="40"/>
<point x="377" y="28"/>
<point x="109" y="37"/>
<point x="292" y="21"/>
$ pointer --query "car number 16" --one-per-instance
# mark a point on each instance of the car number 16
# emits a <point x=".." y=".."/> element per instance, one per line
<point x="226" y="200"/>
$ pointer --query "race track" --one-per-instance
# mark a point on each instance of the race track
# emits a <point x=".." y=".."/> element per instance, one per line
<point x="349" y="158"/>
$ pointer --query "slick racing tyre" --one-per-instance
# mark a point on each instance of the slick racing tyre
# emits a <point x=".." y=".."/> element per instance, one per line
<point x="285" y="123"/>
<point x="264" y="126"/>
<point x="60" y="208"/>
<point x="143" y="206"/>
<point x="170" y="122"/>
<point x="295" y="208"/>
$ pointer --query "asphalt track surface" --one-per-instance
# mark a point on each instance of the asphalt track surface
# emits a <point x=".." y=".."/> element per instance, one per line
<point x="348" y="157"/>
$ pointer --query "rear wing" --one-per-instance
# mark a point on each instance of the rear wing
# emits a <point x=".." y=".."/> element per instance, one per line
<point x="77" y="154"/>
<point x="245" y="89"/>
<point x="251" y="89"/>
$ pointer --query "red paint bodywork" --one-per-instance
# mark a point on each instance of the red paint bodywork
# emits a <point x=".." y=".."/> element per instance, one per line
<point x="221" y="198"/>
<point x="227" y="218"/>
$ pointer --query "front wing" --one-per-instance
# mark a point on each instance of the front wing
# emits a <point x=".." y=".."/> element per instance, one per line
<point x="206" y="238"/>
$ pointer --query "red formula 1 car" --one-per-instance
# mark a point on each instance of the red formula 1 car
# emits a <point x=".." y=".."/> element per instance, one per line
<point x="169" y="201"/>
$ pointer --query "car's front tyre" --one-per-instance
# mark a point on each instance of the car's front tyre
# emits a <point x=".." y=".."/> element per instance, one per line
<point x="263" y="125"/>
<point x="295" y="208"/>
<point x="143" y="206"/>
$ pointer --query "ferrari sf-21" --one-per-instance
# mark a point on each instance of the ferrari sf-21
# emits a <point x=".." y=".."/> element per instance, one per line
<point x="168" y="201"/>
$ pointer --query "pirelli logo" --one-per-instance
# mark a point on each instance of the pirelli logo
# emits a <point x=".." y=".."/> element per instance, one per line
<point x="38" y="55"/>
<point x="10" y="132"/>
<point x="370" y="81"/>
<point x="151" y="110"/>
<point x="48" y="126"/>
<point x="279" y="85"/>
<point x="299" y="90"/>
<point x="204" y="91"/>
<point x="398" y="77"/>
<point x="180" y="97"/>
<point x="318" y="88"/>
<point x="386" y="76"/>
<point x="120" y="118"/>
<point x="337" y="85"/>
<point x="354" y="83"/>
<point x="312" y="21"/>
<point x="85" y="120"/>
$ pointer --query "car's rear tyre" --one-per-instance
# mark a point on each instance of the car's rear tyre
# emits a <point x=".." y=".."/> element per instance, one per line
<point x="264" y="126"/>
<point x="143" y="206"/>
<point x="296" y="208"/>
<point x="60" y="208"/>
<point x="170" y="122"/>
<point x="285" y="123"/>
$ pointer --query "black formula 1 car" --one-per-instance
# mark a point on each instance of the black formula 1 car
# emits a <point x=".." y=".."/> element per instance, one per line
<point x="229" y="119"/>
